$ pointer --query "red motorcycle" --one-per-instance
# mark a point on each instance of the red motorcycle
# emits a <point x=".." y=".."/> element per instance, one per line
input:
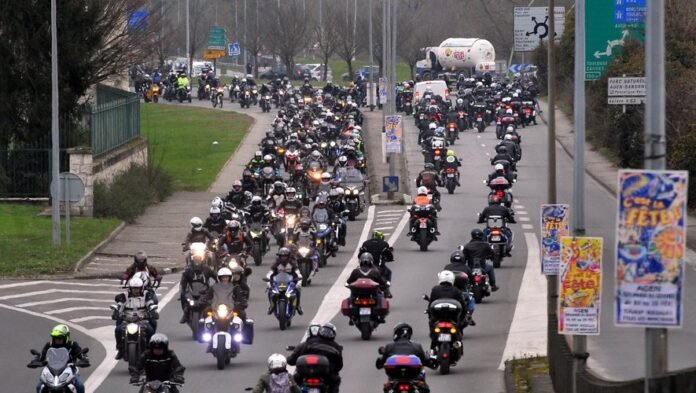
<point x="366" y="307"/>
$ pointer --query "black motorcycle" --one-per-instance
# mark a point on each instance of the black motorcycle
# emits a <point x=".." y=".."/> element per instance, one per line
<point x="445" y="315"/>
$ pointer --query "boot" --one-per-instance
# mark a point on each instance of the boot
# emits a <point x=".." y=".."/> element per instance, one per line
<point x="469" y="320"/>
<point x="119" y="354"/>
<point x="299" y="310"/>
<point x="387" y="293"/>
<point x="494" y="287"/>
<point x="270" y="309"/>
<point x="184" y="318"/>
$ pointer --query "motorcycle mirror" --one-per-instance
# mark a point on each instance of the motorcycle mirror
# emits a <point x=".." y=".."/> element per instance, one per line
<point x="290" y="348"/>
<point x="247" y="271"/>
<point x="391" y="248"/>
<point x="152" y="307"/>
<point x="34" y="352"/>
<point x="114" y="307"/>
<point x="425" y="297"/>
<point x="266" y="279"/>
<point x="85" y="351"/>
<point x="485" y="182"/>
<point x="248" y="389"/>
<point x="380" y="350"/>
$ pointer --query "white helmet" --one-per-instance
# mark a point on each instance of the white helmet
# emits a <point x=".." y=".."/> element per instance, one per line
<point x="432" y="126"/>
<point x="217" y="202"/>
<point x="214" y="210"/>
<point x="325" y="177"/>
<point x="422" y="190"/>
<point x="508" y="137"/>
<point x="277" y="362"/>
<point x="340" y="190"/>
<point x="197" y="223"/>
<point x="136" y="282"/>
<point x="499" y="167"/>
<point x="445" y="276"/>
<point x="224" y="272"/>
<point x="510" y="129"/>
<point x="267" y="157"/>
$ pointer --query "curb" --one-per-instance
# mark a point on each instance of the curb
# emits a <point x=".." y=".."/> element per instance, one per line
<point x="83" y="261"/>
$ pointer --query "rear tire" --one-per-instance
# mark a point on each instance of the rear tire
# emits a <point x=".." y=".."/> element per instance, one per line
<point x="444" y="362"/>
<point x="423" y="240"/>
<point x="450" y="187"/>
<point x="497" y="259"/>
<point x="221" y="355"/>
<point x="478" y="294"/>
<point x="365" y="331"/>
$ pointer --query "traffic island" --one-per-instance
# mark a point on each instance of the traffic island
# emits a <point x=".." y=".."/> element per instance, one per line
<point x="528" y="375"/>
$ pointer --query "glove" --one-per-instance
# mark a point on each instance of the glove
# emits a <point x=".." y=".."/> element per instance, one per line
<point x="298" y="284"/>
<point x="379" y="363"/>
<point x="134" y="379"/>
<point x="178" y="379"/>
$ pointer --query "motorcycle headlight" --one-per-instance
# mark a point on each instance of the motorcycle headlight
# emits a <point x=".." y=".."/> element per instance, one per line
<point x="322" y="227"/>
<point x="132" y="328"/>
<point x="222" y="311"/>
<point x="238" y="337"/>
<point x="348" y="192"/>
<point x="323" y="145"/>
<point x="356" y="192"/>
<point x="332" y="144"/>
<point x="291" y="221"/>
<point x="303" y="251"/>
<point x="233" y="263"/>
<point x="191" y="302"/>
<point x="207" y="337"/>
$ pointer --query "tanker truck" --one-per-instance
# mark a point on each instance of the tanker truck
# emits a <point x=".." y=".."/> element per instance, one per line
<point x="467" y="55"/>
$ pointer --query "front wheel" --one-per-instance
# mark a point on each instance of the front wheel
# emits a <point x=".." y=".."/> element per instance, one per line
<point x="365" y="331"/>
<point x="443" y="358"/>
<point x="282" y="315"/>
<point x="193" y="322"/>
<point x="133" y="355"/>
<point x="256" y="253"/>
<point x="221" y="354"/>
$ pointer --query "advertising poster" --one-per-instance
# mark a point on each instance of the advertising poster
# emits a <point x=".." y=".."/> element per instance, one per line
<point x="554" y="225"/>
<point x="393" y="129"/>
<point x="650" y="247"/>
<point x="580" y="285"/>
<point x="382" y="90"/>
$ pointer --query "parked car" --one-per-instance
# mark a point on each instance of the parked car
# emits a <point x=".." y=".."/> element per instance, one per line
<point x="364" y="72"/>
<point x="300" y="72"/>
<point x="317" y="71"/>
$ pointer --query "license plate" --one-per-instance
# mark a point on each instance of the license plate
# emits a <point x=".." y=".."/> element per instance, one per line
<point x="436" y="158"/>
<point x="495" y="238"/>
<point x="479" y="119"/>
<point x="445" y="337"/>
<point x="314" y="390"/>
<point x="450" y="175"/>
<point x="423" y="224"/>
<point x="365" y="311"/>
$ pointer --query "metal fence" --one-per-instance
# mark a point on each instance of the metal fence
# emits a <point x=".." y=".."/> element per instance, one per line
<point x="114" y="124"/>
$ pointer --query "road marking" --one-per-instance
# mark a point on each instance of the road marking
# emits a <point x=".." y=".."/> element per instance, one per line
<point x="399" y="228"/>
<point x="49" y="291"/>
<point x="385" y="220"/>
<point x="483" y="145"/>
<point x="83" y="319"/>
<point x="389" y="211"/>
<point x="522" y="212"/>
<point x="391" y="215"/>
<point x="69" y="309"/>
<point x="527" y="335"/>
<point x="64" y="299"/>
<point x="519" y="207"/>
<point x="527" y="226"/>
<point x="383" y="228"/>
<point x="525" y="219"/>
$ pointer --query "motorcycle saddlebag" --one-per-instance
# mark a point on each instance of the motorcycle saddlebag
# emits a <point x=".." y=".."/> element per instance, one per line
<point x="312" y="366"/>
<point x="345" y="307"/>
<point x="384" y="307"/>
<point x="248" y="332"/>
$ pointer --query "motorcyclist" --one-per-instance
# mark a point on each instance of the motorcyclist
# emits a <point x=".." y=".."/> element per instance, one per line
<point x="403" y="345"/>
<point x="197" y="271"/>
<point x="215" y="223"/>
<point x="322" y="214"/>
<point x="256" y="163"/>
<point x="235" y="241"/>
<point x="291" y="205"/>
<point x="324" y="343"/>
<point x="236" y="195"/>
<point x="198" y="233"/>
<point x="511" y="146"/>
<point x="477" y="251"/>
<point x="381" y="253"/>
<point x="423" y="200"/>
<point x="503" y="155"/>
<point x="451" y="161"/>
<point x="182" y="81"/>
<point x="461" y="282"/>
<point x="325" y="184"/>
<point x="427" y="134"/>
<point x="231" y="290"/>
<point x="276" y="195"/>
<point x="500" y="171"/>
<point x="304" y="231"/>
<point x="268" y="143"/>
<point x="285" y="264"/>
<point x="367" y="269"/>
<point x="138" y="300"/>
<point x="248" y="182"/>
<point x="140" y="265"/>
<point x="514" y="135"/>
<point x="60" y="338"/>
<point x="277" y="378"/>
<point x="496" y="208"/>
<point x="306" y="88"/>
<point x="429" y="178"/>
<point x="445" y="289"/>
<point x="159" y="364"/>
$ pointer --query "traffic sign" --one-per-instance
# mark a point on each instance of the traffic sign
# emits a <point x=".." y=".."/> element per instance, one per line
<point x="390" y="183"/>
<point x="72" y="189"/>
<point x="531" y="26"/>
<point x="515" y="68"/>
<point x="604" y="38"/>
<point x="137" y="20"/>
<point x="622" y="87"/>
<point x="625" y="100"/>
<point x="216" y="39"/>
<point x="233" y="49"/>
<point x="212" y="54"/>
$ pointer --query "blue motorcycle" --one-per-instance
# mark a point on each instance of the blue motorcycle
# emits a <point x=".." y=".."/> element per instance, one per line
<point x="325" y="242"/>
<point x="283" y="297"/>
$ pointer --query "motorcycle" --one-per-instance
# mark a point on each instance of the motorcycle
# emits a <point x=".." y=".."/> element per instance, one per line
<point x="331" y="151"/>
<point x="257" y="231"/>
<point x="184" y="94"/>
<point x="58" y="374"/>
<point x="283" y="297"/>
<point x="234" y="92"/>
<point x="307" y="261"/>
<point x="423" y="232"/>
<point x="479" y="119"/>
<point x="528" y="113"/>
<point x="444" y="316"/>
<point x="268" y="177"/>
<point x="279" y="98"/>
<point x="462" y="121"/>
<point x="497" y="238"/>
<point x="451" y="175"/>
<point x="193" y="293"/>
<point x="159" y="386"/>
<point x="245" y="99"/>
<point x="134" y="337"/>
<point x="403" y="372"/>
<point x="218" y="96"/>
<point x="152" y="93"/>
<point x="480" y="287"/>
<point x="406" y="100"/>
<point x="203" y="91"/>
<point x="313" y="372"/>
<point x="325" y="242"/>
<point x="500" y="187"/>
<point x="362" y="307"/>
<point x="265" y="103"/>
<point x="225" y="331"/>
<point x="452" y="133"/>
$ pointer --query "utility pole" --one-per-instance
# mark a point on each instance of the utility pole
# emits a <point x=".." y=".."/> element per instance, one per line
<point x="579" y="342"/>
<point x="189" y="55"/>
<point x="55" y="136"/>
<point x="246" y="59"/>
<point x="370" y="90"/>
<point x="551" y="280"/>
<point x="236" y="28"/>
<point x="656" y="359"/>
<point x="386" y="61"/>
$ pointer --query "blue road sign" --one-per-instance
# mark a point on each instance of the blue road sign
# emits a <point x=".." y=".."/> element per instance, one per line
<point x="137" y="20"/>
<point x="233" y="49"/>
<point x="515" y="68"/>
<point x="390" y="183"/>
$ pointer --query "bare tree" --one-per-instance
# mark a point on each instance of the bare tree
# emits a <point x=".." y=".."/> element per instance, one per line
<point x="199" y="20"/>
<point x="287" y="30"/>
<point x="328" y="39"/>
<point x="164" y="33"/>
<point x="347" y="48"/>
<point x="252" y="38"/>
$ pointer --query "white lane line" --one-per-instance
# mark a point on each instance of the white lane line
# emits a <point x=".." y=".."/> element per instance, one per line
<point x="527" y="335"/>
<point x="521" y="212"/>
<point x="395" y="236"/>
<point x="383" y="228"/>
<point x="64" y="299"/>
<point x="527" y="226"/>
<point x="49" y="291"/>
<point x="22" y="284"/>
<point x="525" y="219"/>
<point x="69" y="309"/>
<point x="391" y="215"/>
<point x="83" y="319"/>
<point x="105" y="335"/>
<point x="483" y="145"/>
<point x="385" y="221"/>
<point x="390" y="211"/>
<point x="519" y="207"/>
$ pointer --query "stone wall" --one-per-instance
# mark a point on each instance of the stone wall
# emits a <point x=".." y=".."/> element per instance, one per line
<point x="103" y="168"/>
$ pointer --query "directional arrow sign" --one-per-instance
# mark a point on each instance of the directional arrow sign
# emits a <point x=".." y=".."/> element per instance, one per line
<point x="390" y="183"/>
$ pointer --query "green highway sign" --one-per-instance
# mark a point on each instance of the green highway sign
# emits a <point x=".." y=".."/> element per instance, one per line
<point x="216" y="39"/>
<point x="606" y="30"/>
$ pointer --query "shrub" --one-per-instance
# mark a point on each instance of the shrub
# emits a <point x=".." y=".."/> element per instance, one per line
<point x="131" y="192"/>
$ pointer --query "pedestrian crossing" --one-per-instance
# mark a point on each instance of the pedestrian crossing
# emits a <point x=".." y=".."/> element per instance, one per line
<point x="386" y="220"/>
<point x="79" y="302"/>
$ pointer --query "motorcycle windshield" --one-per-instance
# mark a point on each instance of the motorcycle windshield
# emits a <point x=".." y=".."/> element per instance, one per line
<point x="198" y="288"/>
<point x="57" y="359"/>
<point x="267" y="171"/>
<point x="222" y="294"/>
<point x="282" y="278"/>
<point x="352" y="178"/>
<point x="314" y="166"/>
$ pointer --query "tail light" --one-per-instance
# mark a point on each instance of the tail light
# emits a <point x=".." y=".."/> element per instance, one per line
<point x="445" y="355"/>
<point x="365" y="301"/>
<point x="477" y="279"/>
<point x="452" y="125"/>
<point x="437" y="152"/>
<point x="495" y="232"/>
<point x="499" y="194"/>
<point x="313" y="381"/>
<point x="403" y="387"/>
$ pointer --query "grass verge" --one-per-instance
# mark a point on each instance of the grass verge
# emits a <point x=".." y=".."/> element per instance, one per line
<point x="525" y="369"/>
<point x="192" y="144"/>
<point x="26" y="246"/>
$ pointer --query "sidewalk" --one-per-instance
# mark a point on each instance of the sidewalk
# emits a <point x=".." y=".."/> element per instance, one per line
<point x="597" y="166"/>
<point x="163" y="227"/>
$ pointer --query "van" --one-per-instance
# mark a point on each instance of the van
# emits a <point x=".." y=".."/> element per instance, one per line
<point x="438" y="87"/>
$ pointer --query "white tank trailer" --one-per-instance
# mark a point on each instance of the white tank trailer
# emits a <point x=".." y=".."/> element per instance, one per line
<point x="467" y="55"/>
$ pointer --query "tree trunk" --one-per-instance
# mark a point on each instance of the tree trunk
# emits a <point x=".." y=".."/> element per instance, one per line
<point x="349" y="61"/>
<point x="325" y="71"/>
<point x="256" y="65"/>
<point x="411" y="67"/>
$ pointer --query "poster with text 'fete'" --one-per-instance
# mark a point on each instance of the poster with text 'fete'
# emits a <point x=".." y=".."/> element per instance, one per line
<point x="650" y="247"/>
<point x="580" y="285"/>
<point x="554" y="225"/>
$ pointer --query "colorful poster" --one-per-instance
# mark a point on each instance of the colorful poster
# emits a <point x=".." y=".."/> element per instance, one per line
<point x="393" y="130"/>
<point x="580" y="285"/>
<point x="382" y="90"/>
<point x="650" y="247"/>
<point x="554" y="225"/>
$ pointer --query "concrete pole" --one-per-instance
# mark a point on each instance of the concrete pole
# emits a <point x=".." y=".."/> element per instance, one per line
<point x="189" y="55"/>
<point x="579" y="342"/>
<point x="55" y="136"/>
<point x="656" y="339"/>
<point x="246" y="54"/>
<point x="387" y="75"/>
<point x="551" y="280"/>
<point x="370" y="90"/>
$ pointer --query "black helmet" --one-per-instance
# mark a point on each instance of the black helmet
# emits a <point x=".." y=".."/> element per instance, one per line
<point x="233" y="225"/>
<point x="159" y="340"/>
<point x="305" y="222"/>
<point x="328" y="331"/>
<point x="457" y="256"/>
<point x="429" y="165"/>
<point x="403" y="330"/>
<point x="366" y="260"/>
<point x="476" y="234"/>
<point x="283" y="254"/>
<point x="140" y="259"/>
